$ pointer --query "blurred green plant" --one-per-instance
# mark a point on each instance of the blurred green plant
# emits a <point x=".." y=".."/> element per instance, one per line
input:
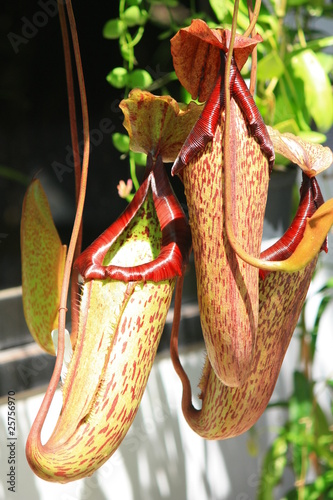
<point x="129" y="29"/>
<point x="304" y="444"/>
<point x="294" y="92"/>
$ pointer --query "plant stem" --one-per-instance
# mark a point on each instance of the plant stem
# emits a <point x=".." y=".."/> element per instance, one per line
<point x="76" y="157"/>
<point x="14" y="175"/>
<point x="133" y="171"/>
<point x="254" y="19"/>
<point x="254" y="52"/>
<point x="84" y="173"/>
<point x="35" y="433"/>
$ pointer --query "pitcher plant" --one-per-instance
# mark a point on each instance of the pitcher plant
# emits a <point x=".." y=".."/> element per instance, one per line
<point x="249" y="301"/>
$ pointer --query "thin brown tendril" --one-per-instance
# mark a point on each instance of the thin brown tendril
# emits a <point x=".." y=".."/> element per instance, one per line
<point x="83" y="184"/>
<point x="254" y="19"/>
<point x="34" y="435"/>
<point x="76" y="158"/>
<point x="254" y="55"/>
<point x="187" y="406"/>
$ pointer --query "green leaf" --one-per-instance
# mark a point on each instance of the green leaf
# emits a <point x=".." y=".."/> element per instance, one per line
<point x="220" y="9"/>
<point x="315" y="45"/>
<point x="133" y="17"/>
<point x="273" y="466"/>
<point x="167" y="3"/>
<point x="317" y="88"/>
<point x="300" y="405"/>
<point x="14" y="175"/>
<point x="313" y="491"/>
<point x="134" y="2"/>
<point x="139" y="78"/>
<point x="125" y="51"/>
<point x="288" y="126"/>
<point x="312" y="136"/>
<point x="326" y="60"/>
<point x="43" y="259"/>
<point x="296" y="3"/>
<point x="121" y="142"/>
<point x="118" y="77"/>
<point x="328" y="284"/>
<point x="113" y="29"/>
<point x="271" y="21"/>
<point x="140" y="159"/>
<point x="269" y="67"/>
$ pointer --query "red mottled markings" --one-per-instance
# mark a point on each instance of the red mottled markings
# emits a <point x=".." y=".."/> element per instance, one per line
<point x="123" y="325"/>
<point x="124" y="347"/>
<point x="130" y="415"/>
<point x="90" y="441"/>
<point x="106" y="402"/>
<point x="101" y="447"/>
<point x="138" y="378"/>
<point x="111" y="384"/>
<point x="139" y="323"/>
<point x="134" y="369"/>
<point x="76" y="442"/>
<point x="133" y="393"/>
<point x="91" y="450"/>
<point x="100" y="343"/>
<point x="121" y="412"/>
<point x="115" y="401"/>
<point x="124" y="416"/>
<point x="110" y="431"/>
<point x="104" y="430"/>
<point x="124" y="370"/>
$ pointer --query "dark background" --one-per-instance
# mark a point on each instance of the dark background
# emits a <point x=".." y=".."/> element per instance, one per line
<point x="34" y="122"/>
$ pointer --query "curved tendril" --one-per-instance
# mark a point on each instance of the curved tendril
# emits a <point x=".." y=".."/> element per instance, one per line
<point x="187" y="405"/>
<point x="304" y="253"/>
<point x="254" y="53"/>
<point x="310" y="200"/>
<point x="76" y="158"/>
<point x="254" y="19"/>
<point x="42" y="413"/>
